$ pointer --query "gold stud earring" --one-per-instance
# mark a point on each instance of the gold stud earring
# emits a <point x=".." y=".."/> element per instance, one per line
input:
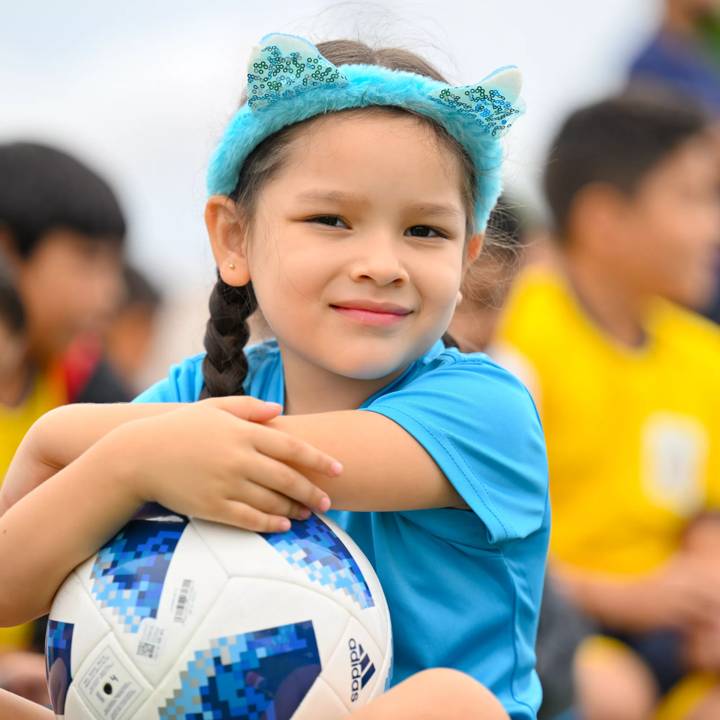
<point x="231" y="266"/>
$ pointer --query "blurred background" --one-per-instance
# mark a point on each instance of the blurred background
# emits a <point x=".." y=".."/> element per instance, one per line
<point x="105" y="274"/>
<point x="141" y="92"/>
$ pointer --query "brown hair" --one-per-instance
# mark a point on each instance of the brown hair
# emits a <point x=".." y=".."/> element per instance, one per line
<point x="227" y="332"/>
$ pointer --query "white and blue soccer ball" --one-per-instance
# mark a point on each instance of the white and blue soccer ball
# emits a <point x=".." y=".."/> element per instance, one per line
<point x="177" y="619"/>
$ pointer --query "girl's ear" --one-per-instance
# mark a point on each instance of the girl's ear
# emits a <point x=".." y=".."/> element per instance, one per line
<point x="474" y="247"/>
<point x="228" y="235"/>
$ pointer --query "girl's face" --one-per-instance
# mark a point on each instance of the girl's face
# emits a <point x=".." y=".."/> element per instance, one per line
<point x="357" y="245"/>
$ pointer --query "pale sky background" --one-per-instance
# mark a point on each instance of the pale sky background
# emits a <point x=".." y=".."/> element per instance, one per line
<point x="141" y="91"/>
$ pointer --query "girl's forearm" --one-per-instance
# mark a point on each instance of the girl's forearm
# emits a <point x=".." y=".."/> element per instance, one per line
<point x="61" y="436"/>
<point x="61" y="523"/>
<point x="17" y="708"/>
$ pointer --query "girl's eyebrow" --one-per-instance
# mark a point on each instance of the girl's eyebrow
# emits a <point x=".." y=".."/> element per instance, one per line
<point x="337" y="196"/>
<point x="432" y="208"/>
<point x="332" y="196"/>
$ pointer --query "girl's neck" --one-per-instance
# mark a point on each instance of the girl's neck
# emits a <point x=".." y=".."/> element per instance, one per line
<point x="619" y="311"/>
<point x="311" y="389"/>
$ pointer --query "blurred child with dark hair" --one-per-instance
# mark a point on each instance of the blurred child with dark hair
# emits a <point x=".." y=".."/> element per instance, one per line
<point x="61" y="238"/>
<point x="487" y="281"/>
<point x="129" y="337"/>
<point x="628" y="388"/>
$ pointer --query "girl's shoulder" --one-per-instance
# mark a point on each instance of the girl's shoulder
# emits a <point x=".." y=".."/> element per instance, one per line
<point x="476" y="373"/>
<point x="184" y="381"/>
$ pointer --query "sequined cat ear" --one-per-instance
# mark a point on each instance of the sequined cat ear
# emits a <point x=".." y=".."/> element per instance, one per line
<point x="283" y="66"/>
<point x="494" y="101"/>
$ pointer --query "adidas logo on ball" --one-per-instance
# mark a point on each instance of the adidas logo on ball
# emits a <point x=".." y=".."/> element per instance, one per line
<point x="362" y="668"/>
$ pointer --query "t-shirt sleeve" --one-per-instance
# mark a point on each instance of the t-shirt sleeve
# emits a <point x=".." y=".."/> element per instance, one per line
<point x="480" y="426"/>
<point x="183" y="384"/>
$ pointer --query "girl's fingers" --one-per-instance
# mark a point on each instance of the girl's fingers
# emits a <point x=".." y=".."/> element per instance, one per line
<point x="243" y="516"/>
<point x="270" y="502"/>
<point x="289" y="449"/>
<point x="246" y="407"/>
<point x="284" y="480"/>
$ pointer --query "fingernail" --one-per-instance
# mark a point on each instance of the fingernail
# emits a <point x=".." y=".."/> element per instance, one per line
<point x="285" y="525"/>
<point x="336" y="468"/>
<point x="278" y="406"/>
<point x="324" y="504"/>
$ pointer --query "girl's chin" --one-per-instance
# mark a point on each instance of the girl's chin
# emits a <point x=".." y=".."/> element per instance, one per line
<point x="371" y="371"/>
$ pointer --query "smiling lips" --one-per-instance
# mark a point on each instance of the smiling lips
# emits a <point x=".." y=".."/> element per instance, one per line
<point x="372" y="313"/>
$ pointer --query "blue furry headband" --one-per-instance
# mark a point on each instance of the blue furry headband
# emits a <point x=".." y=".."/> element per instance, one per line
<point x="290" y="81"/>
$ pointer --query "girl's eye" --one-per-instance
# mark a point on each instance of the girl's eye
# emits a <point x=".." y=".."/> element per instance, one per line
<point x="331" y="220"/>
<point x="424" y="231"/>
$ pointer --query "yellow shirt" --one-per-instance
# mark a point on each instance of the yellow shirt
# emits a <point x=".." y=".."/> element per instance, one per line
<point x="633" y="435"/>
<point x="46" y="394"/>
<point x="14" y="423"/>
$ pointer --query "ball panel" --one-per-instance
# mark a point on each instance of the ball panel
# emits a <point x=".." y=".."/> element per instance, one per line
<point x="250" y="604"/>
<point x="73" y="606"/>
<point x="315" y="553"/>
<point x="318" y="551"/>
<point x="264" y="634"/>
<point x="356" y="671"/>
<point x="377" y="619"/>
<point x="127" y="575"/>
<point x="321" y="702"/>
<point x="239" y="552"/>
<point x="154" y="583"/>
<point x="75" y="708"/>
<point x="109" y="684"/>
<point x="259" y="674"/>
<point x="58" y="648"/>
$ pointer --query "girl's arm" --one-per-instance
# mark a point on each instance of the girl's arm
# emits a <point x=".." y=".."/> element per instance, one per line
<point x="371" y="448"/>
<point x="199" y="460"/>
<point x="17" y="708"/>
<point x="384" y="467"/>
<point x="62" y="435"/>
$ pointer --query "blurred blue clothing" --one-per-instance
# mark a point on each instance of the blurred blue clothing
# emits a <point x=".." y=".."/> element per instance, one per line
<point x="463" y="586"/>
<point x="682" y="64"/>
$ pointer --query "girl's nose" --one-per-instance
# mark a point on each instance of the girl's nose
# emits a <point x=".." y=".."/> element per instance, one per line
<point x="379" y="263"/>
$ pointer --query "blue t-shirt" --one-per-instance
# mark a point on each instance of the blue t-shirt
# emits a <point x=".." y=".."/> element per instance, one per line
<point x="463" y="586"/>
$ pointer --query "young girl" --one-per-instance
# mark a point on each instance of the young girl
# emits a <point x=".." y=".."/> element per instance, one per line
<point x="347" y="196"/>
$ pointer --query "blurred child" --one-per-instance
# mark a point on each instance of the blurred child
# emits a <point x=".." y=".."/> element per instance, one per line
<point x="130" y="335"/>
<point x="628" y="386"/>
<point x="488" y="281"/>
<point x="62" y="233"/>
<point x="61" y="237"/>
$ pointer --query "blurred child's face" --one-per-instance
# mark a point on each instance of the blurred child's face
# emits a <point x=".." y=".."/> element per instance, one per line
<point x="357" y="245"/>
<point x="668" y="233"/>
<point x="70" y="284"/>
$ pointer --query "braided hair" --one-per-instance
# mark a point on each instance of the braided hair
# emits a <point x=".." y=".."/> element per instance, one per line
<point x="227" y="332"/>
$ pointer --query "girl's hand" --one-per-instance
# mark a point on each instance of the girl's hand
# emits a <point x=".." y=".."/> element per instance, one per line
<point x="215" y="460"/>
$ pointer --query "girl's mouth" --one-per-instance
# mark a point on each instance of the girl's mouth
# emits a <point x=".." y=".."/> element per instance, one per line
<point x="371" y="313"/>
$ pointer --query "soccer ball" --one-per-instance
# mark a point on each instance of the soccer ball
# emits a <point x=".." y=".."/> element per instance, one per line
<point x="182" y="619"/>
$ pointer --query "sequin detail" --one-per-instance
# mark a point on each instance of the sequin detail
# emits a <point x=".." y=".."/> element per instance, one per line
<point x="489" y="107"/>
<point x="274" y="75"/>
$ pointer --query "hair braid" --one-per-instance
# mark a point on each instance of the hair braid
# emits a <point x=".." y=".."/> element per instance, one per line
<point x="226" y="334"/>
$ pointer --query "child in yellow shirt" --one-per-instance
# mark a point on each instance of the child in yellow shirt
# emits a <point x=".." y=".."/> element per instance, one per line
<point x="627" y="384"/>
